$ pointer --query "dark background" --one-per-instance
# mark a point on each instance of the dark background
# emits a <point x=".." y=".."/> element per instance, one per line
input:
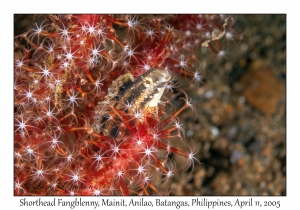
<point x="240" y="128"/>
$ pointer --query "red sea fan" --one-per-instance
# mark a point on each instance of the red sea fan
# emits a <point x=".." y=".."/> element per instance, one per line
<point x="90" y="115"/>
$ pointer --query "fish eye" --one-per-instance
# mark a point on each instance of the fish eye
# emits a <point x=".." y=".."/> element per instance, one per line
<point x="148" y="81"/>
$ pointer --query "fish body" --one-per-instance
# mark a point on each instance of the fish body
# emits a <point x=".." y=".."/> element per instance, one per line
<point x="125" y="93"/>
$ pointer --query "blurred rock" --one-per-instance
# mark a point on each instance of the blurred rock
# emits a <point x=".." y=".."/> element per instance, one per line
<point x="261" y="88"/>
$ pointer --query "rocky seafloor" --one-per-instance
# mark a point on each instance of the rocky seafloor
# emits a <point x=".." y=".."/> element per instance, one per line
<point x="240" y="127"/>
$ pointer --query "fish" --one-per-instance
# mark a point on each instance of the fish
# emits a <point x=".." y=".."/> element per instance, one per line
<point x="138" y="95"/>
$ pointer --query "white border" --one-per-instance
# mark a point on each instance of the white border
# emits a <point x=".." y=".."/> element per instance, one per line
<point x="8" y="8"/>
